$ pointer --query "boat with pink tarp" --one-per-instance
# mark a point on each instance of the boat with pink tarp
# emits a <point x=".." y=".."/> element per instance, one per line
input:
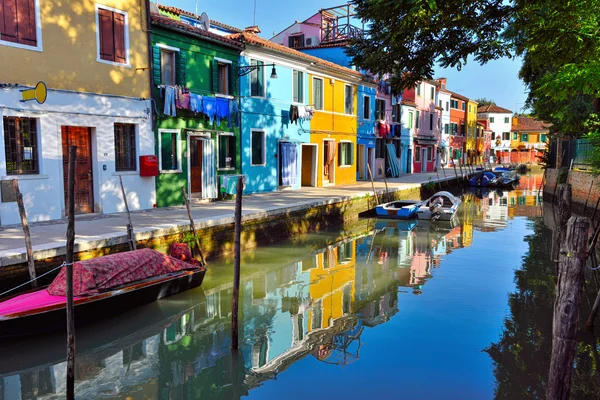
<point x="102" y="287"/>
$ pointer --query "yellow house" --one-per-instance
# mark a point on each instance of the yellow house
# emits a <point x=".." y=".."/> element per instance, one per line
<point x="334" y="125"/>
<point x="92" y="60"/>
<point x="529" y="138"/>
<point x="471" y="131"/>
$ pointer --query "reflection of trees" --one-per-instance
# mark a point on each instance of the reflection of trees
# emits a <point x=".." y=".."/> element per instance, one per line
<point x="521" y="356"/>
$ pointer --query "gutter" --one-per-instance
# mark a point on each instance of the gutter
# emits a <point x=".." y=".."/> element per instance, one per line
<point x="150" y="64"/>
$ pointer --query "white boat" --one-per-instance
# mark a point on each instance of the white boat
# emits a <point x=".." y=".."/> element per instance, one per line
<point x="442" y="206"/>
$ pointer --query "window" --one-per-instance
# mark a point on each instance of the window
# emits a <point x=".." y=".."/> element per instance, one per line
<point x="463" y="105"/>
<point x="366" y="107"/>
<point x="223" y="77"/>
<point x="410" y="120"/>
<point x="429" y="153"/>
<point x="318" y="94"/>
<point x="524" y="137"/>
<point x="20" y="145"/>
<point x="447" y="106"/>
<point x="226" y="151"/>
<point x="257" y="148"/>
<point x="113" y="36"/>
<point x="379" y="148"/>
<point x="169" y="148"/>
<point x="432" y="97"/>
<point x="417" y="123"/>
<point x="430" y="121"/>
<point x="380" y="109"/>
<point x="454" y="104"/>
<point x="491" y="120"/>
<point x="296" y="41"/>
<point x="19" y="23"/>
<point x="396" y="113"/>
<point x="257" y="79"/>
<point x="349" y="100"/>
<point x="345" y="150"/>
<point x="543" y="138"/>
<point x="462" y="129"/>
<point x="506" y="120"/>
<point x="440" y="104"/>
<point x="298" y="87"/>
<point x="167" y="67"/>
<point x="469" y="108"/>
<point x="515" y="136"/>
<point x="446" y="129"/>
<point x="125" y="153"/>
<point x="419" y="89"/>
<point x="505" y="135"/>
<point x="417" y="154"/>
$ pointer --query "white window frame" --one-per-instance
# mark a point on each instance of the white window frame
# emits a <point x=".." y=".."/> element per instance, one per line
<point x="127" y="46"/>
<point x="219" y="134"/>
<point x="264" y="72"/>
<point x="230" y="71"/>
<point x="365" y="97"/>
<point x="351" y="153"/>
<point x="352" y="87"/>
<point x="322" y="92"/>
<point x="179" y="153"/>
<point x="264" y="146"/>
<point x="303" y="91"/>
<point x="173" y="50"/>
<point x="38" y="33"/>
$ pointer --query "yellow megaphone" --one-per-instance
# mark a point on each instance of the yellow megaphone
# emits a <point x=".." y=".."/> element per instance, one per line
<point x="38" y="93"/>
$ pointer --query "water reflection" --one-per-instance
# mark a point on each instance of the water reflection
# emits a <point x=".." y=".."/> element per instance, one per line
<point x="310" y="297"/>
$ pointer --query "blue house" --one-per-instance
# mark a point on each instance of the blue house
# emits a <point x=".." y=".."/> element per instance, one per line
<point x="366" y="132"/>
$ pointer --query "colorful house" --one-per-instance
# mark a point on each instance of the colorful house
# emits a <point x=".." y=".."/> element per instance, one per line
<point x="195" y="84"/>
<point x="408" y="112"/>
<point x="443" y="102"/>
<point x="365" y="151"/>
<point x="96" y="96"/>
<point x="473" y="156"/>
<point x="427" y="125"/>
<point x="388" y="148"/>
<point x="458" y="121"/>
<point x="529" y="139"/>
<point x="500" y="123"/>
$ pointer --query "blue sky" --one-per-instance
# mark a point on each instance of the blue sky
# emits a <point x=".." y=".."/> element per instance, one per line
<point x="497" y="80"/>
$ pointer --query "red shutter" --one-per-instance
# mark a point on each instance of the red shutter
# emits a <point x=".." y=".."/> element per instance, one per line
<point x="26" y="22"/>
<point x="8" y="20"/>
<point x="105" y="28"/>
<point x="119" y="37"/>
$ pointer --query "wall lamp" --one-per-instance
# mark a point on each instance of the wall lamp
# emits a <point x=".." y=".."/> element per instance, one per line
<point x="246" y="69"/>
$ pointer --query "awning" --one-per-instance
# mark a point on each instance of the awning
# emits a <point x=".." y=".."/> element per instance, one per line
<point x="426" y="140"/>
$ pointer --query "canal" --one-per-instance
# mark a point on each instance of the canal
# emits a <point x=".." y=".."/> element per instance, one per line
<point x="376" y="309"/>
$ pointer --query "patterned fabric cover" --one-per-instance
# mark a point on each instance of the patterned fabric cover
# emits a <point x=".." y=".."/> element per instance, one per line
<point x="182" y="252"/>
<point x="103" y="273"/>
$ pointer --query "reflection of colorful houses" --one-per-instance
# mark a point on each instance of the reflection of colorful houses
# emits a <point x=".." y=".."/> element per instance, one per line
<point x="472" y="155"/>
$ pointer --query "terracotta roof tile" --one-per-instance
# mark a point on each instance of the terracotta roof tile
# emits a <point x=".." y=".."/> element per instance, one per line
<point x="258" y="41"/>
<point x="525" y="124"/>
<point x="492" y="108"/>
<point x="341" y="43"/>
<point x="179" y="11"/>
<point x="167" y="22"/>
<point x="458" y="96"/>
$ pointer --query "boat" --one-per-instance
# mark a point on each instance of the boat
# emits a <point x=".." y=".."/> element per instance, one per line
<point x="399" y="209"/>
<point x="102" y="287"/>
<point x="441" y="206"/>
<point x="484" y="179"/>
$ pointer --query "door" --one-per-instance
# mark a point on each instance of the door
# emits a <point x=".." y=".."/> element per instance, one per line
<point x="195" y="165"/>
<point x="409" y="161"/>
<point x="307" y="165"/>
<point x="84" y="192"/>
<point x="361" y="164"/>
<point x="329" y="150"/>
<point x="288" y="164"/>
<point x="209" y="170"/>
<point x="423" y="159"/>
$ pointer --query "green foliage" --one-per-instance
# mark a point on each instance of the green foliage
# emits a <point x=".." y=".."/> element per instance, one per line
<point x="484" y="101"/>
<point x="592" y="126"/>
<point x="563" y="175"/>
<point x="430" y="185"/>
<point x="190" y="239"/>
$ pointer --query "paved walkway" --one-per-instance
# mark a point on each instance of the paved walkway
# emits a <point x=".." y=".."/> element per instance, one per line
<point x="92" y="232"/>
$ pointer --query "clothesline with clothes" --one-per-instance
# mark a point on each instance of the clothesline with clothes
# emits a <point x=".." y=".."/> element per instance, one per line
<point x="214" y="107"/>
<point x="389" y="130"/>
<point x="301" y="112"/>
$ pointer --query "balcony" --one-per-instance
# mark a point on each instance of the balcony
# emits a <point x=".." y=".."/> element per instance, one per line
<point x="337" y="24"/>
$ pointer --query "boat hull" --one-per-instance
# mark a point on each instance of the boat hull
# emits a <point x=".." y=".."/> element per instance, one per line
<point x="100" y="306"/>
<point x="406" y="211"/>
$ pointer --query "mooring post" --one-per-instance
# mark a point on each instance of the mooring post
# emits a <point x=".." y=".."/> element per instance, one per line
<point x="566" y="307"/>
<point x="26" y="233"/>
<point x="372" y="183"/>
<point x="590" y="321"/>
<point x="237" y="260"/>
<point x="69" y="272"/>
<point x="462" y="174"/>
<point x="456" y="174"/>
<point x="130" y="234"/>
<point x="445" y="177"/>
<point x="438" y="180"/>
<point x="193" y="226"/>
<point x="564" y="213"/>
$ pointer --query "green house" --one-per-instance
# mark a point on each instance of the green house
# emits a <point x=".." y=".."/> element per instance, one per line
<point x="194" y="81"/>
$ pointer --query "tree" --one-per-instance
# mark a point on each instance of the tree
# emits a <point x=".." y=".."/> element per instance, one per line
<point x="485" y="101"/>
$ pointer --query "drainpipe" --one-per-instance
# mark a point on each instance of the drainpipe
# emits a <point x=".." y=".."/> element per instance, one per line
<point x="150" y="64"/>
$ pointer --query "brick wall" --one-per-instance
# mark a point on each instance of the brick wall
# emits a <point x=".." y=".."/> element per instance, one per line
<point x="580" y="186"/>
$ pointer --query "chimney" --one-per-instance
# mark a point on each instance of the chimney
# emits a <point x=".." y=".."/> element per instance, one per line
<point x="252" y="29"/>
<point x="442" y="83"/>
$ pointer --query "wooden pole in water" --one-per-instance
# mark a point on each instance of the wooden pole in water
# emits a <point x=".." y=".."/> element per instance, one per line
<point x="564" y="213"/>
<point x="588" y="197"/>
<point x="445" y="177"/>
<point x="566" y="307"/>
<point x="193" y="226"/>
<point x="438" y="180"/>
<point x="387" y="191"/>
<point x="26" y="233"/>
<point x="372" y="183"/>
<point x="236" y="272"/>
<point x="462" y="174"/>
<point x="130" y="235"/>
<point x="456" y="174"/>
<point x="69" y="269"/>
<point x="595" y="211"/>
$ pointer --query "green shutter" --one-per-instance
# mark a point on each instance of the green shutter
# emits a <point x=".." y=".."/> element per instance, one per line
<point x="342" y="154"/>
<point x="156" y="65"/>
<point x="181" y="68"/>
<point x="233" y="79"/>
<point x="295" y="89"/>
<point x="215" y="76"/>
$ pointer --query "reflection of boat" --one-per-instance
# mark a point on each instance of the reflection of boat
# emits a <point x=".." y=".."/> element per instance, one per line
<point x="399" y="209"/>
<point x="479" y="192"/>
<point x="402" y="226"/>
<point x="441" y="206"/>
<point x="102" y="287"/>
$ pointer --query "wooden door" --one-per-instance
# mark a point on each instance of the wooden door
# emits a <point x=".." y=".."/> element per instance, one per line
<point x="423" y="159"/>
<point x="196" y="165"/>
<point x="84" y="192"/>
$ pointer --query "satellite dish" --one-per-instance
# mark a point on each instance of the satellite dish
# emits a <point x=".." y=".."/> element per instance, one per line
<point x="205" y="21"/>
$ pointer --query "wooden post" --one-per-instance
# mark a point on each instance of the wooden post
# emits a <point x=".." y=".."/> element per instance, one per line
<point x="462" y="174"/>
<point x="564" y="213"/>
<point x="69" y="266"/>
<point x="456" y="173"/>
<point x="590" y="321"/>
<point x="445" y="177"/>
<point x="193" y="226"/>
<point x="438" y="181"/>
<point x="387" y="191"/>
<point x="236" y="273"/>
<point x="566" y="307"/>
<point x="26" y="233"/>
<point x="130" y="234"/>
<point x="595" y="211"/>
<point x="372" y="183"/>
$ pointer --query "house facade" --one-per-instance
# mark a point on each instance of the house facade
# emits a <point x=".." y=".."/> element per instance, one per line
<point x="195" y="87"/>
<point x="529" y="139"/>
<point x="365" y="150"/>
<point x="408" y="112"/>
<point x="443" y="102"/>
<point x="427" y="125"/>
<point x="458" y="126"/>
<point x="473" y="156"/>
<point x="97" y="98"/>
<point x="500" y="123"/>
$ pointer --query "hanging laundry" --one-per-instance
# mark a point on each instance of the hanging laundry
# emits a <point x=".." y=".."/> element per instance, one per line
<point x="195" y="103"/>
<point x="294" y="114"/>
<point x="301" y="112"/>
<point x="169" y="101"/>
<point x="183" y="102"/>
<point x="209" y="107"/>
<point x="234" y="109"/>
<point x="310" y="113"/>
<point x="222" y="108"/>
<point x="397" y="130"/>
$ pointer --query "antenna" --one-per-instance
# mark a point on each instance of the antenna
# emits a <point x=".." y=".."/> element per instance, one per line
<point x="254" y="23"/>
<point x="196" y="7"/>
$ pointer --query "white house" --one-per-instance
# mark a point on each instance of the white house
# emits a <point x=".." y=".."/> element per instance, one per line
<point x="500" y="123"/>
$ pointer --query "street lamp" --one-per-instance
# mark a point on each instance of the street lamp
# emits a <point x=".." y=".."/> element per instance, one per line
<point x="246" y="69"/>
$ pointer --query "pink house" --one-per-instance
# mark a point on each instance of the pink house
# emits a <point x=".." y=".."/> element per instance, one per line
<point x="427" y="125"/>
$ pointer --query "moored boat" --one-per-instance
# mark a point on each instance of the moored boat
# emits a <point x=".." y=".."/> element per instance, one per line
<point x="441" y="206"/>
<point x="399" y="209"/>
<point x="483" y="179"/>
<point x="102" y="287"/>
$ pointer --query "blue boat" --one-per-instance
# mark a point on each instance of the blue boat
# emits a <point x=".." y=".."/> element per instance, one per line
<point x="483" y="179"/>
<point x="399" y="209"/>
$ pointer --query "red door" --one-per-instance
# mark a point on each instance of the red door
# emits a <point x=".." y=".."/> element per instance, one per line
<point x="84" y="194"/>
<point x="196" y="165"/>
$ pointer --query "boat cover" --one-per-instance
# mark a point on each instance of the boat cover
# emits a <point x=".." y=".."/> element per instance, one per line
<point x="104" y="273"/>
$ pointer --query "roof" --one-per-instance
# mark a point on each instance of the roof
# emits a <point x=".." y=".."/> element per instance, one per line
<point x="409" y="103"/>
<point x="525" y="124"/>
<point x="248" y="37"/>
<point x="492" y="108"/>
<point x="184" y="28"/>
<point x="458" y="96"/>
<point x="179" y="11"/>
<point x="339" y="43"/>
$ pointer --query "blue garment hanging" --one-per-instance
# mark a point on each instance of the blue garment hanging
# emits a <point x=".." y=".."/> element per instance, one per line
<point x="289" y="162"/>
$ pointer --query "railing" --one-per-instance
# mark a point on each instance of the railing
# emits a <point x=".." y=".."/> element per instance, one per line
<point x="340" y="32"/>
<point x="577" y="153"/>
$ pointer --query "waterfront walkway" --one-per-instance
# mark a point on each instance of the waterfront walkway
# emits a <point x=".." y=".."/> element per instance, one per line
<point x="97" y="231"/>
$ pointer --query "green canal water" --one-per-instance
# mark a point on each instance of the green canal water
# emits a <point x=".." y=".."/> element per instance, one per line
<point x="377" y="309"/>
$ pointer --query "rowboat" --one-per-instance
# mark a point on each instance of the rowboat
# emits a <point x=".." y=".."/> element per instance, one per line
<point x="102" y="287"/>
<point x="441" y="206"/>
<point x="400" y="209"/>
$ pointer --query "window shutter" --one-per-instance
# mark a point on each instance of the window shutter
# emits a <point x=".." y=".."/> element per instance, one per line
<point x="215" y="76"/>
<point x="8" y="20"/>
<point x="119" y="37"/>
<point x="26" y="22"/>
<point x="156" y="70"/>
<point x="301" y="40"/>
<point x="295" y="88"/>
<point x="107" y="50"/>
<point x="290" y="41"/>
<point x="342" y="154"/>
<point x="181" y="61"/>
<point x="233" y="78"/>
